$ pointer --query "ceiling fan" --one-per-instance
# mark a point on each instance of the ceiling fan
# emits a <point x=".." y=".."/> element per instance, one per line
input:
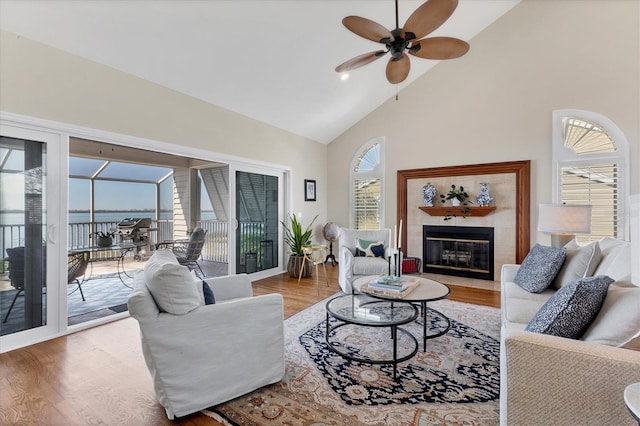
<point x="400" y="41"/>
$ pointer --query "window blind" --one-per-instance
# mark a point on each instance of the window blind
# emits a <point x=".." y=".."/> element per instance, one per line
<point x="366" y="198"/>
<point x="598" y="186"/>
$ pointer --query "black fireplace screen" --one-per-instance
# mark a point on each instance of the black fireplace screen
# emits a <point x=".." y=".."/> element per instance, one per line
<point x="465" y="251"/>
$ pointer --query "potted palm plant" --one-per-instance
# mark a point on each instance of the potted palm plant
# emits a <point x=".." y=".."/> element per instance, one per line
<point x="297" y="240"/>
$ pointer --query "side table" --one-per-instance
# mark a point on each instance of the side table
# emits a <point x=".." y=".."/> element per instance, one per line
<point x="632" y="399"/>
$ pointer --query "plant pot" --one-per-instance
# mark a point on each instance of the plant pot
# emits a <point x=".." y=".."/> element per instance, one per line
<point x="105" y="241"/>
<point x="455" y="202"/>
<point x="293" y="267"/>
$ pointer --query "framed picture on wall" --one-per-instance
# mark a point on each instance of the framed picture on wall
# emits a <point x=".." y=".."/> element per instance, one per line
<point x="309" y="190"/>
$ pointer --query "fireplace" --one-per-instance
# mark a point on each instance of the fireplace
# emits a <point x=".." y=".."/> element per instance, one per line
<point x="464" y="251"/>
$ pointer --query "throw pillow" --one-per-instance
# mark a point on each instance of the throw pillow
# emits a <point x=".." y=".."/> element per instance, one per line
<point x="369" y="248"/>
<point x="571" y="309"/>
<point x="171" y="285"/>
<point x="539" y="268"/>
<point x="579" y="262"/>
<point x="618" y="322"/>
<point x="209" y="298"/>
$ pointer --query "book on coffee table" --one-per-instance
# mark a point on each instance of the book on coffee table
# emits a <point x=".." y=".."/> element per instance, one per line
<point x="398" y="289"/>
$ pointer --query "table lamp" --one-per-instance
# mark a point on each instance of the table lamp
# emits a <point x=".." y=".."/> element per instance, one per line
<point x="563" y="221"/>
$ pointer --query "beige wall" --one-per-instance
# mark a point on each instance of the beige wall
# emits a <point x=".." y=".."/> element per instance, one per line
<point x="495" y="103"/>
<point x="43" y="82"/>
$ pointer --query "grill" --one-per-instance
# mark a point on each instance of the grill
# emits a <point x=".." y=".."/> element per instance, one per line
<point x="134" y="229"/>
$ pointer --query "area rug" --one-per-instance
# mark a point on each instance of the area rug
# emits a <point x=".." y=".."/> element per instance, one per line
<point x="454" y="382"/>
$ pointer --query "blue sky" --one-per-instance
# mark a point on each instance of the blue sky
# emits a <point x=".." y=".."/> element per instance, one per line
<point x="110" y="195"/>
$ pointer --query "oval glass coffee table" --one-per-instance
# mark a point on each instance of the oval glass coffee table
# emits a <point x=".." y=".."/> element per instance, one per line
<point x="425" y="290"/>
<point x="361" y="310"/>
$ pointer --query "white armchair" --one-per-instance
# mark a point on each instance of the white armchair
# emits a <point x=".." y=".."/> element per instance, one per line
<point x="215" y="352"/>
<point x="351" y="267"/>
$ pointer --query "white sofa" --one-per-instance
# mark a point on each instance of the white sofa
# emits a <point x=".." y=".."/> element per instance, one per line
<point x="202" y="355"/>
<point x="352" y="266"/>
<point x="550" y="380"/>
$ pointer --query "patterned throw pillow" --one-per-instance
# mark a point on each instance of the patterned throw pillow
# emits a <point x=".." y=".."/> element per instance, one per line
<point x="539" y="268"/>
<point x="570" y="311"/>
<point x="209" y="298"/>
<point x="369" y="248"/>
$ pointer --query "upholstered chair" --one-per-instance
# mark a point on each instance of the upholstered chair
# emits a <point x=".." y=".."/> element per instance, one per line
<point x="205" y="343"/>
<point x="357" y="258"/>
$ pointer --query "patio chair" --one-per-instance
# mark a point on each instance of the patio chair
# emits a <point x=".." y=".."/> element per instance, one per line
<point x="76" y="267"/>
<point x="15" y="256"/>
<point x="188" y="251"/>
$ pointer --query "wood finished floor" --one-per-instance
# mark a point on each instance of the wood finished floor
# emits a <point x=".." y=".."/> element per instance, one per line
<point x="98" y="376"/>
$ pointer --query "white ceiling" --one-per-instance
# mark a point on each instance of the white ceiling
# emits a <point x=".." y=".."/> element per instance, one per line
<point x="272" y="60"/>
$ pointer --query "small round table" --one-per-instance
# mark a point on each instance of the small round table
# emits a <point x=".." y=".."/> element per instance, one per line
<point x="632" y="399"/>
<point x="426" y="291"/>
<point x="369" y="312"/>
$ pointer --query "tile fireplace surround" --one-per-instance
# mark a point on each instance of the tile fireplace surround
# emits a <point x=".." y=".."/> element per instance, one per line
<point x="504" y="185"/>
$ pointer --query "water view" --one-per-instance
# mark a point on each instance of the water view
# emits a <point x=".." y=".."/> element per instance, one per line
<point x="17" y="218"/>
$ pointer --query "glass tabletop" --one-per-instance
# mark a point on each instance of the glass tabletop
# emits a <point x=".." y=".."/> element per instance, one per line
<point x="364" y="310"/>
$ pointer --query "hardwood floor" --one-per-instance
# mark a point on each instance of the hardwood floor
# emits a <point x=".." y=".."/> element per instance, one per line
<point x="98" y="376"/>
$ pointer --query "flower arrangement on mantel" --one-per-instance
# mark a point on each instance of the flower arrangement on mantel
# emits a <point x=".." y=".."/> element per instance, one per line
<point x="458" y="197"/>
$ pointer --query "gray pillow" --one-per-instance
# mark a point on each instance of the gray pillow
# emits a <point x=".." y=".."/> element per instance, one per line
<point x="570" y="311"/>
<point x="580" y="262"/>
<point x="539" y="268"/>
<point x="172" y="286"/>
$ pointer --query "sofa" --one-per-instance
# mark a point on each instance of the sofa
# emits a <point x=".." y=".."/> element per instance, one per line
<point x="547" y="379"/>
<point x="205" y="342"/>
<point x="358" y="255"/>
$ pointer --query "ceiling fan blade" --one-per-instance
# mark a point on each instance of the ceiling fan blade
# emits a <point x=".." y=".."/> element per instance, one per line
<point x="440" y="48"/>
<point x="428" y="17"/>
<point x="398" y="70"/>
<point x="359" y="61"/>
<point x="367" y="28"/>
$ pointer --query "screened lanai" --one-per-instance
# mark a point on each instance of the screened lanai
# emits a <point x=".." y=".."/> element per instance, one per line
<point x="107" y="186"/>
<point x="111" y="184"/>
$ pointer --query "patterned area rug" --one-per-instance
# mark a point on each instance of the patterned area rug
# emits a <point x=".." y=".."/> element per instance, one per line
<point x="455" y="382"/>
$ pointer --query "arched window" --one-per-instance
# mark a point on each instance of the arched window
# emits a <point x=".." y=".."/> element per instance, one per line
<point x="366" y="186"/>
<point x="590" y="167"/>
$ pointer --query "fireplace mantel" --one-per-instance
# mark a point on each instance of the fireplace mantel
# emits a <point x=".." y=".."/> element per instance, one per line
<point x="458" y="211"/>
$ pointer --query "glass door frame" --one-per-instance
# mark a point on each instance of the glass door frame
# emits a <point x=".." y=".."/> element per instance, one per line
<point x="57" y="145"/>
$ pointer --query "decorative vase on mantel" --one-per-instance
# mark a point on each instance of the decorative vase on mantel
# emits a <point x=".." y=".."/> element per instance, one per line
<point x="484" y="198"/>
<point x="428" y="194"/>
<point x="455" y="202"/>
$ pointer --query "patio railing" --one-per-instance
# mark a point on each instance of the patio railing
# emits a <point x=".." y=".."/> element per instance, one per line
<point x="217" y="242"/>
<point x="79" y="237"/>
<point x="251" y="239"/>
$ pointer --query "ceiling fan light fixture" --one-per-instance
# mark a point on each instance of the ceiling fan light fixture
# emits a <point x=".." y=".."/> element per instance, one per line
<point x="409" y="39"/>
<point x="344" y="76"/>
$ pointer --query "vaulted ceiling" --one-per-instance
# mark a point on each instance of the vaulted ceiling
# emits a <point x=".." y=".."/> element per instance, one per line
<point x="271" y="60"/>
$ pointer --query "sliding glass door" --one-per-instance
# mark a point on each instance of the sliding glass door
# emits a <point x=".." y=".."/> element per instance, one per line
<point x="258" y="212"/>
<point x="29" y="223"/>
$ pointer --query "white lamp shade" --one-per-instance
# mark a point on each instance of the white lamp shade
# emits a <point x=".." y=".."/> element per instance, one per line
<point x="564" y="218"/>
